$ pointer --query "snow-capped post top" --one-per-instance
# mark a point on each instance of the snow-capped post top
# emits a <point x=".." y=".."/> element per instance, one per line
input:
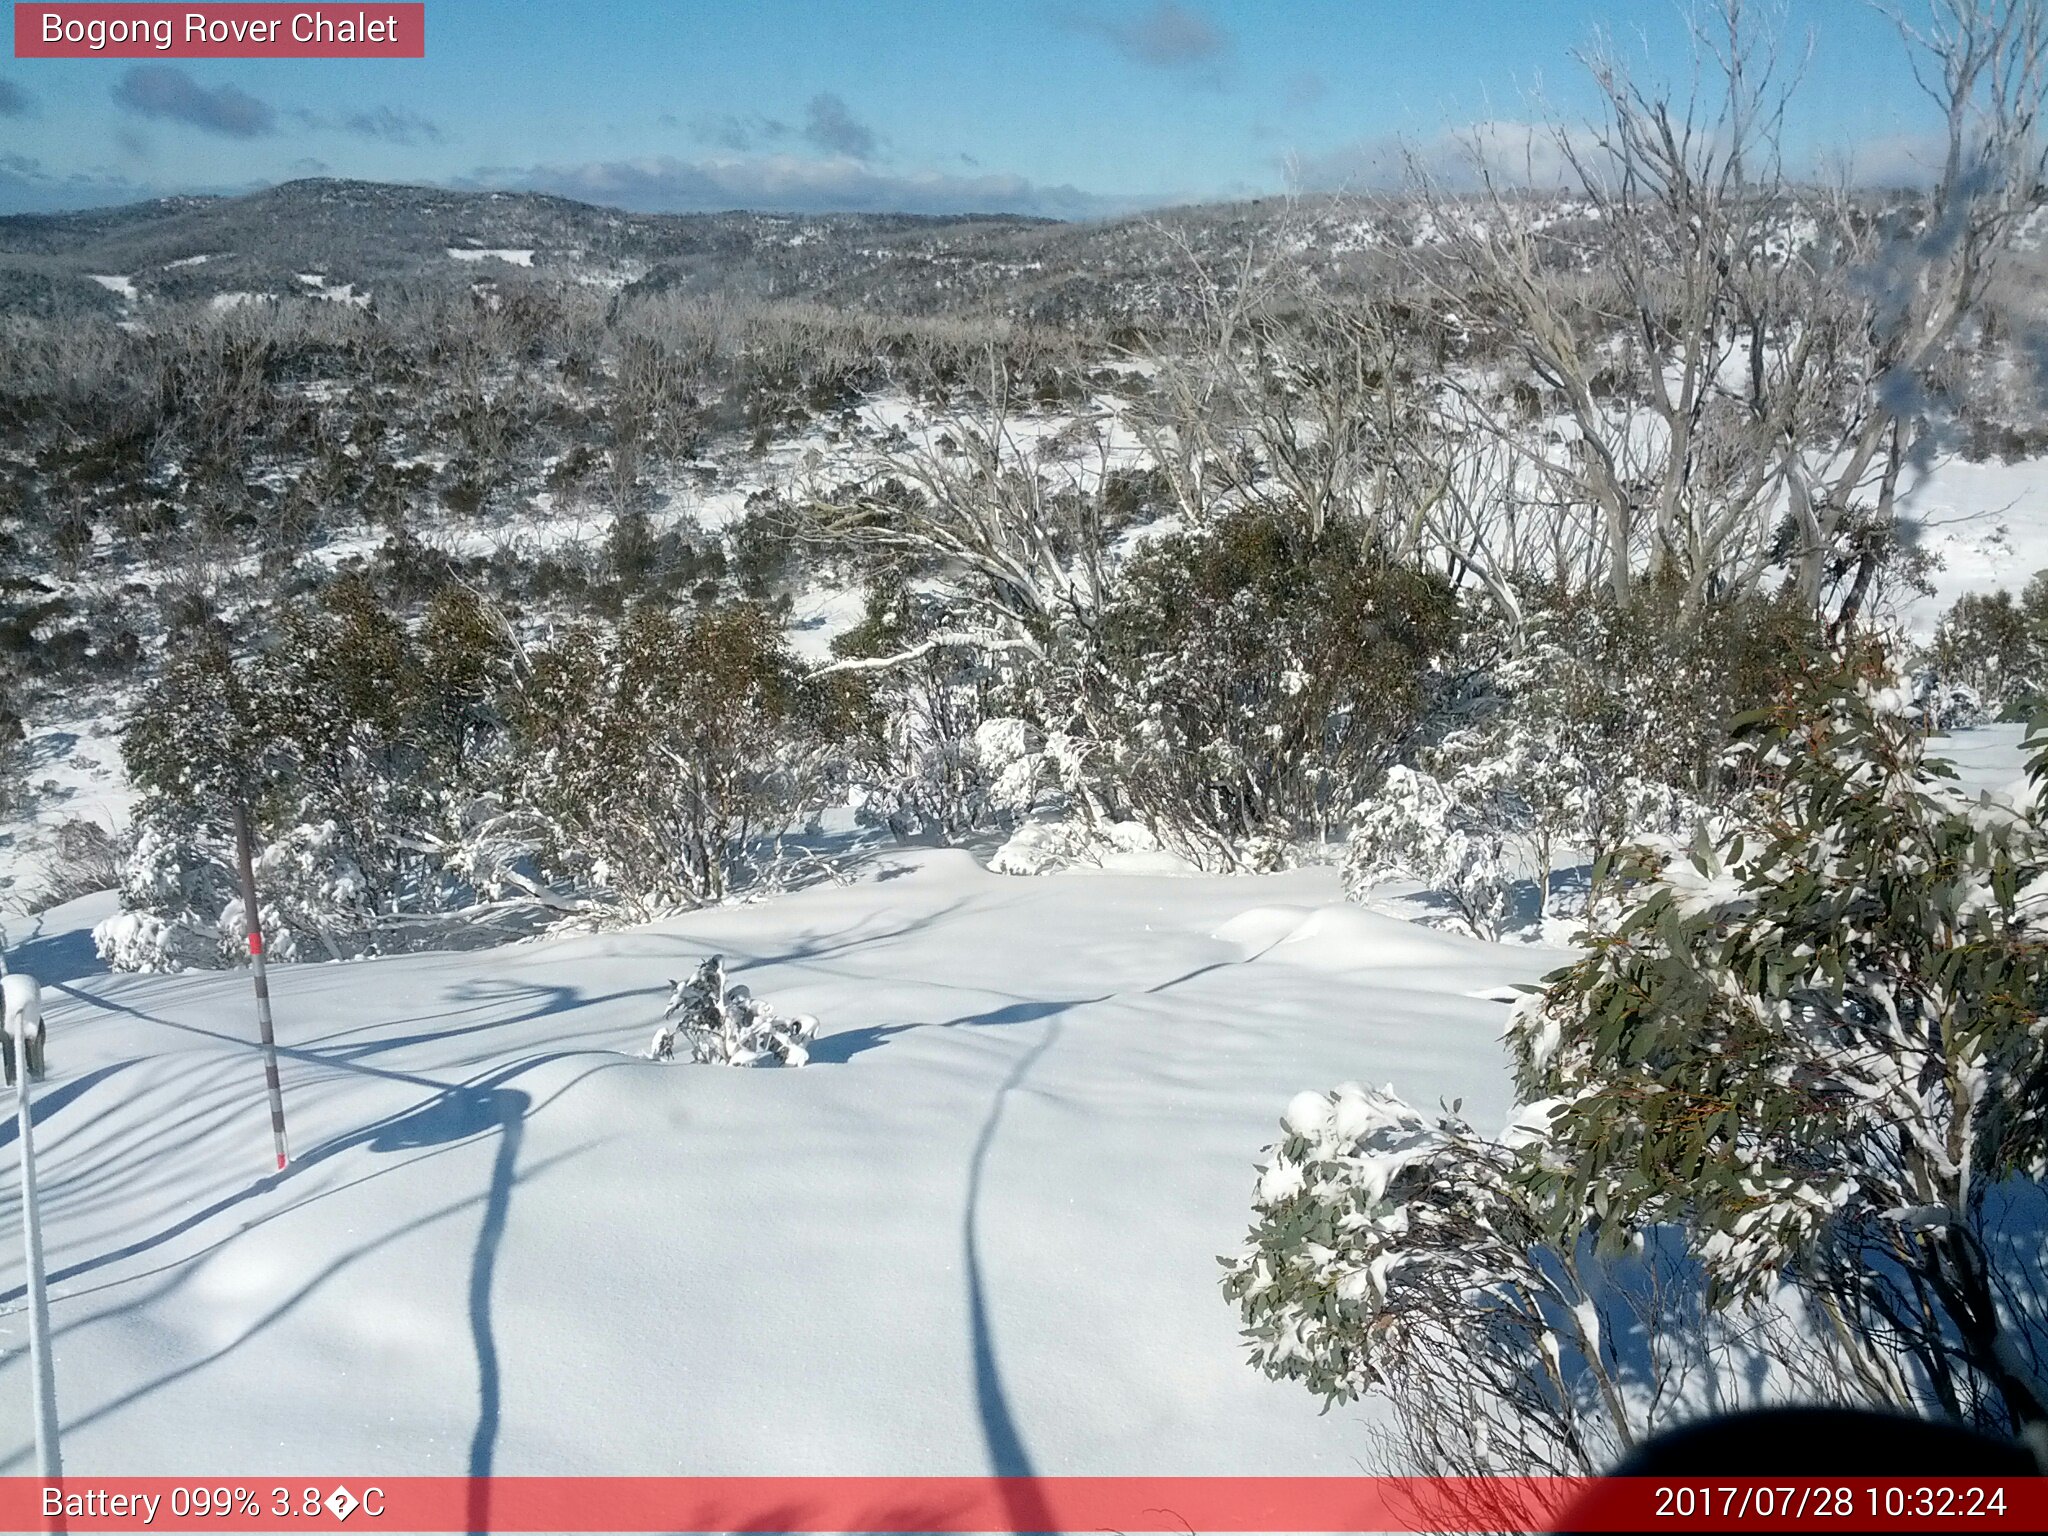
<point x="23" y="1009"/>
<point x="24" y="1002"/>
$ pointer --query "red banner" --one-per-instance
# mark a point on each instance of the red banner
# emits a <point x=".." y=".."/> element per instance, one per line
<point x="1018" y="1504"/>
<point x="151" y="31"/>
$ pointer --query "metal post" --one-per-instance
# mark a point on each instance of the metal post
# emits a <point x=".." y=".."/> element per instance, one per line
<point x="49" y="1463"/>
<point x="252" y="921"/>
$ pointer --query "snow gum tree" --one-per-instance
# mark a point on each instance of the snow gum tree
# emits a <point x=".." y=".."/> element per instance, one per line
<point x="1783" y="1133"/>
<point x="1820" y="1048"/>
<point x="661" y="750"/>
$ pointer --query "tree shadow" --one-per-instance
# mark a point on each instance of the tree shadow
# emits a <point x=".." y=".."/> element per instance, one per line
<point x="48" y="1101"/>
<point x="837" y="1050"/>
<point x="1009" y="1457"/>
<point x="462" y="1112"/>
<point x="55" y="957"/>
<point x="456" y="1113"/>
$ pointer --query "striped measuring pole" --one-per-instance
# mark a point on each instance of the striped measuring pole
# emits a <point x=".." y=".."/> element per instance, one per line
<point x="252" y="922"/>
<point x="24" y="1018"/>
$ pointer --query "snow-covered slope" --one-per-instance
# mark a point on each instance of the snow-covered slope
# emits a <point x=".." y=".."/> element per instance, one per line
<point x="1985" y="523"/>
<point x="979" y="1233"/>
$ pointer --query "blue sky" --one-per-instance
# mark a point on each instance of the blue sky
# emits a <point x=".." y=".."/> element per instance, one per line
<point x="1060" y="107"/>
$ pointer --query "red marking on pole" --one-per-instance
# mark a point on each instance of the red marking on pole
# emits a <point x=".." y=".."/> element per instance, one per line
<point x="280" y="1162"/>
<point x="255" y="941"/>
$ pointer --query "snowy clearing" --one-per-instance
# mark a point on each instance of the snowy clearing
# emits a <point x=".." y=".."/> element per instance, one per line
<point x="1986" y="523"/>
<point x="517" y="258"/>
<point x="978" y="1233"/>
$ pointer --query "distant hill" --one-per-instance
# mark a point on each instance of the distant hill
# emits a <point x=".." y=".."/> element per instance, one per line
<point x="327" y="238"/>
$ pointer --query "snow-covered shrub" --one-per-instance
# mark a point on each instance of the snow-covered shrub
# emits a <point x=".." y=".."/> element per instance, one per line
<point x="175" y="884"/>
<point x="1054" y="843"/>
<point x="1823" y="1056"/>
<point x="142" y="941"/>
<point x="934" y="760"/>
<point x="1451" y="834"/>
<point x="1945" y="705"/>
<point x="312" y="885"/>
<point x="1406" y="1255"/>
<point x="660" y="751"/>
<point x="1258" y="677"/>
<point x="1604" y="726"/>
<point x="728" y="1026"/>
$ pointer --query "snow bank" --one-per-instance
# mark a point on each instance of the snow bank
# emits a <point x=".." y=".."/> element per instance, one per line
<point x="1337" y="938"/>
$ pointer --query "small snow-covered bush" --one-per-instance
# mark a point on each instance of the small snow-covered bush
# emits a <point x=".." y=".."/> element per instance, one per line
<point x="174" y="886"/>
<point x="1452" y="835"/>
<point x="728" y="1026"/>
<point x="142" y="941"/>
<point x="1048" y="846"/>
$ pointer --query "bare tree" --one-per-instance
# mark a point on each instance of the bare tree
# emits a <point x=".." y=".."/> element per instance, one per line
<point x="1715" y="348"/>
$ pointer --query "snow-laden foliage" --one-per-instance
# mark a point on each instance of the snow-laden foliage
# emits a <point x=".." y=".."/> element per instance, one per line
<point x="1407" y="1255"/>
<point x="1364" y="1210"/>
<point x="1450" y="834"/>
<point x="364" y="751"/>
<point x="174" y="889"/>
<point x="1602" y="726"/>
<point x="728" y="1026"/>
<point x="1234" y="684"/>
<point x="1257" y="676"/>
<point x="938" y="759"/>
<point x="1815" y="1052"/>
<point x="1821" y="1048"/>
<point x="1047" y="846"/>
<point x="431" y="784"/>
<point x="662" y="751"/>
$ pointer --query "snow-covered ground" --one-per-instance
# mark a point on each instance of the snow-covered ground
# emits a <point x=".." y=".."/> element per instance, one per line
<point x="978" y="1233"/>
<point x="1987" y="525"/>
<point x="518" y="258"/>
<point x="70" y="771"/>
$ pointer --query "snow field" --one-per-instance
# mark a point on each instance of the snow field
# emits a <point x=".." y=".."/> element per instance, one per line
<point x="979" y="1233"/>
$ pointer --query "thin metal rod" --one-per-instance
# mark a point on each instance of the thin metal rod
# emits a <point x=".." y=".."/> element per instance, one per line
<point x="252" y="921"/>
<point x="49" y="1461"/>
